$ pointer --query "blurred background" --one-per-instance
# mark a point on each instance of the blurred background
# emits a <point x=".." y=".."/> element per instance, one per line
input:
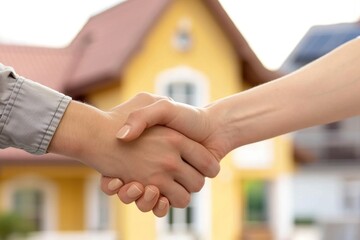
<point x="303" y="185"/>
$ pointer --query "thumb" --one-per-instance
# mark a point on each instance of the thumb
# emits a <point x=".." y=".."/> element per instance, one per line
<point x="159" y="113"/>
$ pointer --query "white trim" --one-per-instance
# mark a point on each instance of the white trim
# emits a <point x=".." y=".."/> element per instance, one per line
<point x="92" y="204"/>
<point x="203" y="213"/>
<point x="69" y="235"/>
<point x="49" y="189"/>
<point x="181" y="74"/>
<point x="280" y="207"/>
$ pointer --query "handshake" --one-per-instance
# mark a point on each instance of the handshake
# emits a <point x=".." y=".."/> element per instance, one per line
<point x="155" y="151"/>
<point x="150" y="149"/>
<point x="163" y="150"/>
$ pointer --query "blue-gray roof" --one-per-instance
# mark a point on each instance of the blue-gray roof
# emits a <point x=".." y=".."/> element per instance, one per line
<point x="318" y="41"/>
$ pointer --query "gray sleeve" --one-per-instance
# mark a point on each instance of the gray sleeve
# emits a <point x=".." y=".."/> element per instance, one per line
<point x="29" y="112"/>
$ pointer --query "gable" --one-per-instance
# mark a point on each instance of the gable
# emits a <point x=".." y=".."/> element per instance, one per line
<point x="109" y="41"/>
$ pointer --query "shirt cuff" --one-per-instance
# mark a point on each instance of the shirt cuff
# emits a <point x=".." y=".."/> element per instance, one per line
<point x="31" y="116"/>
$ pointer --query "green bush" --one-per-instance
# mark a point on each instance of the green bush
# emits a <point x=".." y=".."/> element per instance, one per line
<point x="13" y="224"/>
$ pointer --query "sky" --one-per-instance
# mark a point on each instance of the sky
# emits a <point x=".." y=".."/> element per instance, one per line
<point x="272" y="27"/>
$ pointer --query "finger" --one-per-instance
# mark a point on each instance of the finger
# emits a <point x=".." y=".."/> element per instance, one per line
<point x="189" y="178"/>
<point x="199" y="157"/>
<point x="110" y="186"/>
<point x="161" y="112"/>
<point x="148" y="201"/>
<point x="130" y="192"/>
<point x="162" y="207"/>
<point x="175" y="193"/>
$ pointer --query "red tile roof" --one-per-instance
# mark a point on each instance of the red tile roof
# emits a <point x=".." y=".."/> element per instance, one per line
<point x="110" y="39"/>
<point x="48" y="66"/>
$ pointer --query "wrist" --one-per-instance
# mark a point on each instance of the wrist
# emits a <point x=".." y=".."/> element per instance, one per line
<point x="220" y="132"/>
<point x="246" y="117"/>
<point x="81" y="131"/>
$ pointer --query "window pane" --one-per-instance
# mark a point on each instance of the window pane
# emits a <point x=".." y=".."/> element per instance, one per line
<point x="180" y="219"/>
<point x="256" y="201"/>
<point x="29" y="204"/>
<point x="183" y="92"/>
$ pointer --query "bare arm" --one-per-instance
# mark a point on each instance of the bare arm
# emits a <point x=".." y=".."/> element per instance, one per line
<point x="324" y="91"/>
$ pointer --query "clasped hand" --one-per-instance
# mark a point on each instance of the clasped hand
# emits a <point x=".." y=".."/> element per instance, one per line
<point x="169" y="156"/>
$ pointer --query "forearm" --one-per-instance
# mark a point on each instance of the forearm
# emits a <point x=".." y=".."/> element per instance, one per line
<point x="322" y="92"/>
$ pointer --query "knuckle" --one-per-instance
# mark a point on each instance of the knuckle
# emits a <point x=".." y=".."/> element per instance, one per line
<point x="211" y="167"/>
<point x="181" y="202"/>
<point x="146" y="97"/>
<point x="175" y="138"/>
<point x="143" y="207"/>
<point x="133" y="116"/>
<point x="200" y="184"/>
<point x="105" y="190"/>
<point x="205" y="166"/>
<point x="142" y="95"/>
<point x="217" y="170"/>
<point x="170" y="164"/>
<point x="184" y="202"/>
<point x="160" y="98"/>
<point x="159" y="213"/>
<point x="165" y="103"/>
<point x="149" y="97"/>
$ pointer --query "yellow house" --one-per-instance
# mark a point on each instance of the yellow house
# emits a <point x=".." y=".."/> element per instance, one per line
<point x="187" y="49"/>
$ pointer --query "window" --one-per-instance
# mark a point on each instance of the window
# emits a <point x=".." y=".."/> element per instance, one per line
<point x="185" y="85"/>
<point x="182" y="91"/>
<point x="256" y="201"/>
<point x="193" y="222"/>
<point x="33" y="198"/>
<point x="181" y="220"/>
<point x="182" y="40"/>
<point x="29" y="204"/>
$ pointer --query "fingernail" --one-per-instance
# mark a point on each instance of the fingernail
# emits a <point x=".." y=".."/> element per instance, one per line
<point x="162" y="204"/>
<point x="114" y="184"/>
<point x="149" y="194"/>
<point x="133" y="191"/>
<point x="123" y="132"/>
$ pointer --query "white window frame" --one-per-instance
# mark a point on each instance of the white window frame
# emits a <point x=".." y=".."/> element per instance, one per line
<point x="184" y="74"/>
<point x="92" y="205"/>
<point x="49" y="190"/>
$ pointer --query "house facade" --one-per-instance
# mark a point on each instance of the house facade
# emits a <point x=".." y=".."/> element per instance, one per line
<point x="185" y="49"/>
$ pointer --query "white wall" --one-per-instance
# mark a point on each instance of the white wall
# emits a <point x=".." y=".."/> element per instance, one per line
<point x="281" y="210"/>
<point x="317" y="195"/>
